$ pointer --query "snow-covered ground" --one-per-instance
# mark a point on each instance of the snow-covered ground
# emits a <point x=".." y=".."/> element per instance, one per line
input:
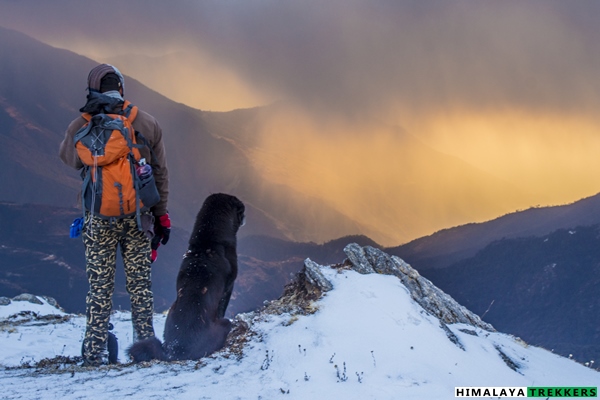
<point x="368" y="339"/>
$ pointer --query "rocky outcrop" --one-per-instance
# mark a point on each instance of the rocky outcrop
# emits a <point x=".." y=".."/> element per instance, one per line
<point x="368" y="259"/>
<point x="311" y="284"/>
<point x="314" y="276"/>
<point x="30" y="298"/>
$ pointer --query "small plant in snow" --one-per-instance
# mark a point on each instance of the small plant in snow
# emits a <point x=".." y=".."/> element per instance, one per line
<point x="342" y="377"/>
<point x="301" y="350"/>
<point x="306" y="377"/>
<point x="267" y="362"/>
<point x="373" y="355"/>
<point x="331" y="359"/>
<point x="359" y="376"/>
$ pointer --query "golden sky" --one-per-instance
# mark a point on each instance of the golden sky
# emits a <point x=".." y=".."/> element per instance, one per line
<point x="410" y="116"/>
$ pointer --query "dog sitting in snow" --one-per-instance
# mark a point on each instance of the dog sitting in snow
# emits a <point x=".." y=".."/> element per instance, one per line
<point x="195" y="326"/>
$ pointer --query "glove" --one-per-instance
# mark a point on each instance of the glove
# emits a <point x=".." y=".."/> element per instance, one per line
<point x="162" y="232"/>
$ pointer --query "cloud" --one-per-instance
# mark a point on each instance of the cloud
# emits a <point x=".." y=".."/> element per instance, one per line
<point x="356" y="57"/>
<point x="381" y="57"/>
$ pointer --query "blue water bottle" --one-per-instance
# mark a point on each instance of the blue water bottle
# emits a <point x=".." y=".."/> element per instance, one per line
<point x="143" y="169"/>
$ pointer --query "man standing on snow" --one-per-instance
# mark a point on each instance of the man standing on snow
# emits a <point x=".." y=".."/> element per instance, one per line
<point x="102" y="236"/>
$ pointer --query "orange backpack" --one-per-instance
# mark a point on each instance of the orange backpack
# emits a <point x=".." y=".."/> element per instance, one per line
<point x="108" y="148"/>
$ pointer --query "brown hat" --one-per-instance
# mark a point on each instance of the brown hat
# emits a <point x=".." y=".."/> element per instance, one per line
<point x="97" y="73"/>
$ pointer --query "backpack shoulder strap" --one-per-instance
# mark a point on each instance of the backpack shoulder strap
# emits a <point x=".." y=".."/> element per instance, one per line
<point x="86" y="174"/>
<point x="83" y="131"/>
<point x="129" y="111"/>
<point x="145" y="142"/>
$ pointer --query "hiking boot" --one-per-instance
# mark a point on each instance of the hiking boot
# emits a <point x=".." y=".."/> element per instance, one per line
<point x="94" y="362"/>
<point x="95" y="356"/>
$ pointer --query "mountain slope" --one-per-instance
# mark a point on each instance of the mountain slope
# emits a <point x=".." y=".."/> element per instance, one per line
<point x="40" y="92"/>
<point x="345" y="335"/>
<point x="448" y="246"/>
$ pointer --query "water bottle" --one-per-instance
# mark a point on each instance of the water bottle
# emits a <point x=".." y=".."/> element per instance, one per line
<point x="143" y="169"/>
<point x="147" y="188"/>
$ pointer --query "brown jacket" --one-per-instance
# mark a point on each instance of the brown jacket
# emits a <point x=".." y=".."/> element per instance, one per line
<point x="150" y="129"/>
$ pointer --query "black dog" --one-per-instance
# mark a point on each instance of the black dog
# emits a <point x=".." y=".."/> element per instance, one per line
<point x="195" y="325"/>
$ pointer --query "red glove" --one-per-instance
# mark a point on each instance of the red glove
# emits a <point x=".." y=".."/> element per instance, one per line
<point x="162" y="232"/>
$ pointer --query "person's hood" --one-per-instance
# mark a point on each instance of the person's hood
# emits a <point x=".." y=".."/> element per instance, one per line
<point x="97" y="73"/>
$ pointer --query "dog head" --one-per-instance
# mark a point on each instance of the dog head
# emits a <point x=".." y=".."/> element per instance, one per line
<point x="220" y="212"/>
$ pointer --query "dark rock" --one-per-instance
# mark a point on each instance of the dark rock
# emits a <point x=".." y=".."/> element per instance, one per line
<point x="28" y="297"/>
<point x="358" y="258"/>
<point x="314" y="275"/>
<point x="507" y="360"/>
<point x="52" y="301"/>
<point x="453" y="338"/>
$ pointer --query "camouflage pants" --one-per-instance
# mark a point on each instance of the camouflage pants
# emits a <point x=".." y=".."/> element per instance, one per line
<point x="101" y="238"/>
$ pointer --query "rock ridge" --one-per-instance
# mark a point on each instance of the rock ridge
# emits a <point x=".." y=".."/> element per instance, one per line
<point x="311" y="284"/>
<point x="436" y="302"/>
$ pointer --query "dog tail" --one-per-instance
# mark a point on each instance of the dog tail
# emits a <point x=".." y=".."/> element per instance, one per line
<point x="146" y="350"/>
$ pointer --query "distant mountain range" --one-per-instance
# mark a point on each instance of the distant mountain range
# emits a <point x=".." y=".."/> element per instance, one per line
<point x="534" y="273"/>
<point x="447" y="246"/>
